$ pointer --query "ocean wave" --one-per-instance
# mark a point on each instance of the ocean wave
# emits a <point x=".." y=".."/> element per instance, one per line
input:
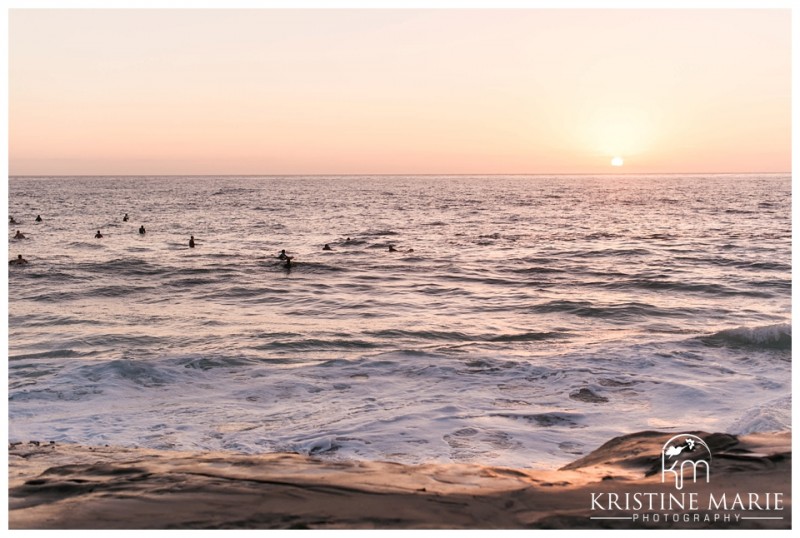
<point x="117" y="340"/>
<point x="739" y="211"/>
<point x="86" y="244"/>
<point x="124" y="266"/>
<point x="379" y="233"/>
<point x="251" y="295"/>
<point x="600" y="235"/>
<point x="309" y="344"/>
<point x="45" y="320"/>
<point x="141" y="373"/>
<point x="103" y="291"/>
<point x="121" y="291"/>
<point x="191" y="282"/>
<point x="233" y="190"/>
<point x="537" y="270"/>
<point x="209" y="363"/>
<point x="54" y="296"/>
<point x="773" y="283"/>
<point x="778" y="336"/>
<point x="35" y="272"/>
<point x="690" y="287"/>
<point x="732" y="262"/>
<point x="657" y="236"/>
<point x="457" y="336"/>
<point x="317" y="268"/>
<point x="528" y="336"/>
<point x="770" y="266"/>
<point x="621" y="311"/>
<point x="610" y="252"/>
<point x="391" y="334"/>
<point x="52" y="354"/>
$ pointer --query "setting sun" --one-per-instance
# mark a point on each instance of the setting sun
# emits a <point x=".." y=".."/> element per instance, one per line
<point x="617" y="161"/>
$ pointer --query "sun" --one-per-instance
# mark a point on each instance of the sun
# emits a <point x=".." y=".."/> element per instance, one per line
<point x="617" y="161"/>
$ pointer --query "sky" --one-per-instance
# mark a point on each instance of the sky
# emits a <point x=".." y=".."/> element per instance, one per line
<point x="413" y="91"/>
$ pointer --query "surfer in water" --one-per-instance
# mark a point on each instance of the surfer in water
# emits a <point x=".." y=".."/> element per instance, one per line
<point x="98" y="235"/>
<point x="19" y="235"/>
<point x="19" y="261"/>
<point x="125" y="218"/>
<point x="282" y="255"/>
<point x="142" y="231"/>
<point x="326" y="247"/>
<point x="191" y="242"/>
<point x="392" y="249"/>
<point x="38" y="218"/>
<point x="11" y="220"/>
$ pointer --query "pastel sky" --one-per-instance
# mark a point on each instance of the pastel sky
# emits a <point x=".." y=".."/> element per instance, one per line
<point x="398" y="91"/>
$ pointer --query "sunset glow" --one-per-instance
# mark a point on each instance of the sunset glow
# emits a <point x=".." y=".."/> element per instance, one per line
<point x="398" y="91"/>
<point x="399" y="264"/>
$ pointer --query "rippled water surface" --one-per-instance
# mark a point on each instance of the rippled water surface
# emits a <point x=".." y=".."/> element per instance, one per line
<point x="535" y="318"/>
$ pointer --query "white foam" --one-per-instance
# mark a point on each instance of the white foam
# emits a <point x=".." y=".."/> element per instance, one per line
<point x="771" y="416"/>
<point x="459" y="409"/>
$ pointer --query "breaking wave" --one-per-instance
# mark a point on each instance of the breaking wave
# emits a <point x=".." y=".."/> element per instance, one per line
<point x="777" y="336"/>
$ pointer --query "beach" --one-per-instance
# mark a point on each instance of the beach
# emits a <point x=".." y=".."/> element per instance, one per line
<point x="60" y="486"/>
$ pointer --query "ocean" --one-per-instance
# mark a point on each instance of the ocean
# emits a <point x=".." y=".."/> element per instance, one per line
<point x="522" y="321"/>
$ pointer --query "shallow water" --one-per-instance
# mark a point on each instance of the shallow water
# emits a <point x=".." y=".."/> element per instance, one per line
<point x="536" y="317"/>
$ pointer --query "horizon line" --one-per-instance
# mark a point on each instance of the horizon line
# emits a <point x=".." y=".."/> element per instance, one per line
<point x="426" y="174"/>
